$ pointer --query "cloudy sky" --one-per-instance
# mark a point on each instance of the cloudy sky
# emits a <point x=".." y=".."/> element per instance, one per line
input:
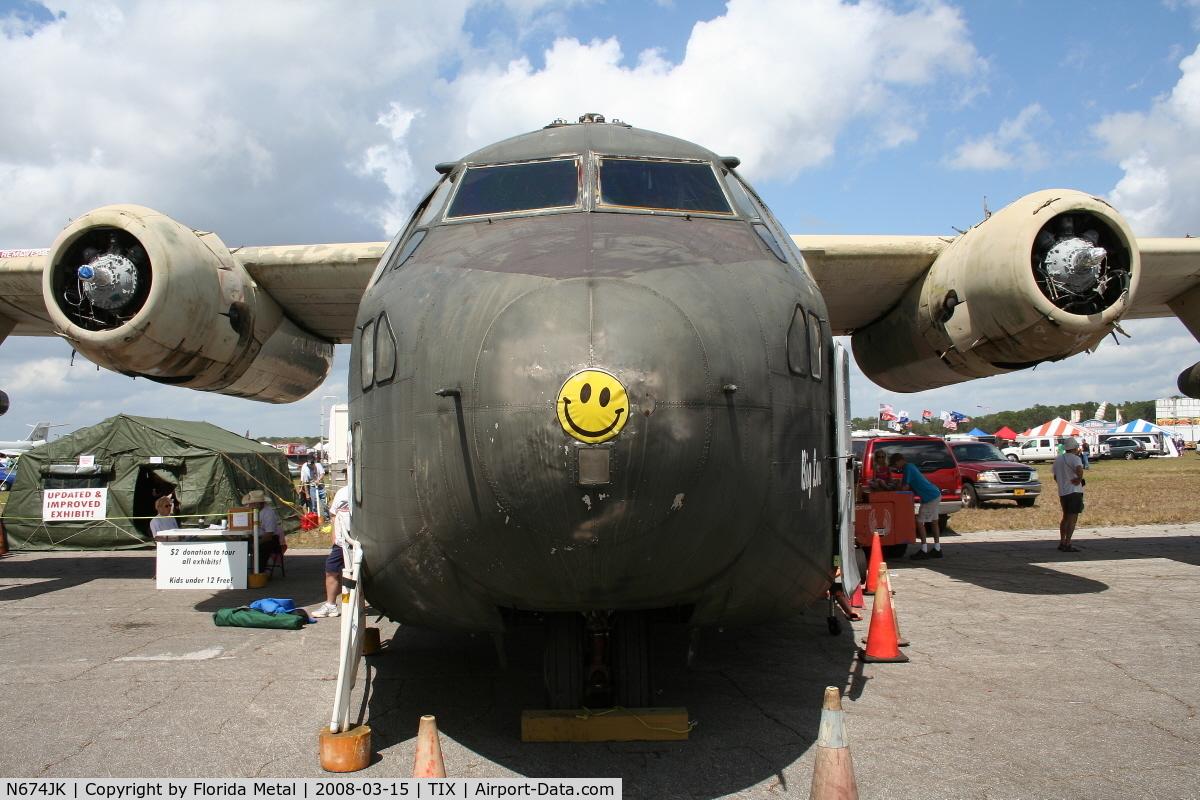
<point x="296" y="122"/>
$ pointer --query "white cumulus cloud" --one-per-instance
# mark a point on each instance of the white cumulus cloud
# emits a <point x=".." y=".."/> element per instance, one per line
<point x="1159" y="152"/>
<point x="1012" y="145"/>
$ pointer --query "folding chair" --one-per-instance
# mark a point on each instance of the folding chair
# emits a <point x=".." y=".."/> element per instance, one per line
<point x="275" y="561"/>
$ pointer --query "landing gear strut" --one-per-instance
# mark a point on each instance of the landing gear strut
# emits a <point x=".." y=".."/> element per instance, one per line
<point x="597" y="660"/>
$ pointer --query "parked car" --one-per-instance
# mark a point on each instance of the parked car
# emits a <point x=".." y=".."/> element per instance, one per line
<point x="1127" y="448"/>
<point x="987" y="475"/>
<point x="1154" y="444"/>
<point x="931" y="455"/>
<point x="7" y="476"/>
<point x="1044" y="448"/>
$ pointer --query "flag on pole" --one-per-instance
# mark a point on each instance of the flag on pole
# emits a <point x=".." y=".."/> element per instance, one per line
<point x="926" y="416"/>
<point x="886" y="413"/>
<point x="894" y="425"/>
<point x="949" y="424"/>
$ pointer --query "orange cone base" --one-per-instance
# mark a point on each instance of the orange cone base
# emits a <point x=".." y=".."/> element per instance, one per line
<point x="371" y="641"/>
<point x="348" y="751"/>
<point x="898" y="659"/>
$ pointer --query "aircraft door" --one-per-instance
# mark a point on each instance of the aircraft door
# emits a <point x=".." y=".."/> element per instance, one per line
<point x="845" y="472"/>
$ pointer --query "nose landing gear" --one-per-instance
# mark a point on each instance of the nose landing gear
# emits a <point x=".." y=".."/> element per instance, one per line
<point x="598" y="659"/>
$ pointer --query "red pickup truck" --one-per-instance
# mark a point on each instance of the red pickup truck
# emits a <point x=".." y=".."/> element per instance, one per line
<point x="932" y="457"/>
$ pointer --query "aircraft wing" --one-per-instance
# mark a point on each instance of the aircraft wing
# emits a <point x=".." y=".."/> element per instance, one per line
<point x="1041" y="280"/>
<point x="864" y="277"/>
<point x="317" y="286"/>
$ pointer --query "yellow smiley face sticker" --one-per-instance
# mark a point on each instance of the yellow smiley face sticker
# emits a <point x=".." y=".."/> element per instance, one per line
<point x="592" y="406"/>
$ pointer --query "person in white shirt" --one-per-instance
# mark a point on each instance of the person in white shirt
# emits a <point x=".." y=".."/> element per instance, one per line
<point x="1068" y="474"/>
<point x="165" y="521"/>
<point x="312" y="477"/>
<point x="337" y="558"/>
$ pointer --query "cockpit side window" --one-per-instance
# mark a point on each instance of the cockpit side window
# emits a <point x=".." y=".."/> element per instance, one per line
<point x="765" y="225"/>
<point x="508" y="188"/>
<point x="661" y="185"/>
<point x="408" y="239"/>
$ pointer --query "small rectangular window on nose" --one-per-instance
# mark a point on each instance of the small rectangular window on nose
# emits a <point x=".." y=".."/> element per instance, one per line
<point x="593" y="465"/>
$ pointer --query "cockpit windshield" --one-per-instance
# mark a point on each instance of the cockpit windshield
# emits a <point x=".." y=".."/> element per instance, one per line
<point x="506" y="188"/>
<point x="661" y="185"/>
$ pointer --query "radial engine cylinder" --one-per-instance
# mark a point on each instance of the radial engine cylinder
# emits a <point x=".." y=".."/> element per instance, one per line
<point x="1040" y="280"/>
<point x="143" y="295"/>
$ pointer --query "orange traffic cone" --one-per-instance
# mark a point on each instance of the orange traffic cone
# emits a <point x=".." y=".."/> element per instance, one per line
<point x="873" y="565"/>
<point x="833" y="772"/>
<point x="856" y="600"/>
<point x="882" y="638"/>
<point x="900" y="640"/>
<point x="428" y="763"/>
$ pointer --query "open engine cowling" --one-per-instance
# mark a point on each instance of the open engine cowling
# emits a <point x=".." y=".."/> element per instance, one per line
<point x="1043" y="279"/>
<point x="143" y="295"/>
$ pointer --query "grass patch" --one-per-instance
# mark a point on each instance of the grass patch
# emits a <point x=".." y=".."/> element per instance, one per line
<point x="1154" y="491"/>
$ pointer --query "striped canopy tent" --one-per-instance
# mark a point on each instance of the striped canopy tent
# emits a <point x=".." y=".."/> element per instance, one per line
<point x="1006" y="433"/>
<point x="1059" y="427"/>
<point x="1142" y="426"/>
<point x="1139" y="426"/>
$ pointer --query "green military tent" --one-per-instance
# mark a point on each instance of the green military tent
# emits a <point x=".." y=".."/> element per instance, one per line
<point x="136" y="459"/>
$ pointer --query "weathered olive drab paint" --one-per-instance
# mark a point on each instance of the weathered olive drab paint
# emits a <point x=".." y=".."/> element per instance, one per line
<point x="717" y="497"/>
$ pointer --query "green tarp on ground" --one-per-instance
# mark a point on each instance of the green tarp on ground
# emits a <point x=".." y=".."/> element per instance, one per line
<point x="135" y="457"/>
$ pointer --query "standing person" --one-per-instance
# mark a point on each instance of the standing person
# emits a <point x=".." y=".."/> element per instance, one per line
<point x="1085" y="450"/>
<point x="336" y="561"/>
<point x="931" y="498"/>
<point x="271" y="538"/>
<point x="312" y="477"/>
<point x="1068" y="474"/>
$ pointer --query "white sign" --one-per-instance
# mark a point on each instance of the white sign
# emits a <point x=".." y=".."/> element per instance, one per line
<point x="87" y="461"/>
<point x="202" y="565"/>
<point x="156" y="459"/>
<point x="73" y="504"/>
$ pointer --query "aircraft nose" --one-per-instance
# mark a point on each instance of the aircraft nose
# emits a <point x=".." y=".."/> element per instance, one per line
<point x="592" y="407"/>
<point x="558" y="343"/>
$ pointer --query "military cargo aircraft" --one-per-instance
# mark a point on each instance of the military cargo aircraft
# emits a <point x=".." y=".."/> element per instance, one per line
<point x="594" y="382"/>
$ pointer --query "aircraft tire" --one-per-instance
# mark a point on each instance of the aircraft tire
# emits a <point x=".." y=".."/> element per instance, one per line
<point x="563" y="660"/>
<point x="630" y="640"/>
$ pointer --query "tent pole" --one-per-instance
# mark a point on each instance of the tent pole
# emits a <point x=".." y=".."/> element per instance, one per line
<point x="257" y="531"/>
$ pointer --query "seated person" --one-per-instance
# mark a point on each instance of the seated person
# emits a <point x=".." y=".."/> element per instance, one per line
<point x="881" y="474"/>
<point x="271" y="537"/>
<point x="165" y="506"/>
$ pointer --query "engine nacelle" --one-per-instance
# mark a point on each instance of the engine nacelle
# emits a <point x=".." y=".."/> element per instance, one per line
<point x="1040" y="280"/>
<point x="140" y="294"/>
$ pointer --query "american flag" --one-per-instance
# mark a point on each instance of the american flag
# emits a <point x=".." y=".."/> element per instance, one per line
<point x="886" y="413"/>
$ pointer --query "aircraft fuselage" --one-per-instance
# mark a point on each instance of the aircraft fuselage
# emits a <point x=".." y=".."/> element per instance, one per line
<point x="593" y="406"/>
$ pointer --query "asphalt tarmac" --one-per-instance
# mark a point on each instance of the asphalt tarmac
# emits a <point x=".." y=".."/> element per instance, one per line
<point x="1034" y="674"/>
